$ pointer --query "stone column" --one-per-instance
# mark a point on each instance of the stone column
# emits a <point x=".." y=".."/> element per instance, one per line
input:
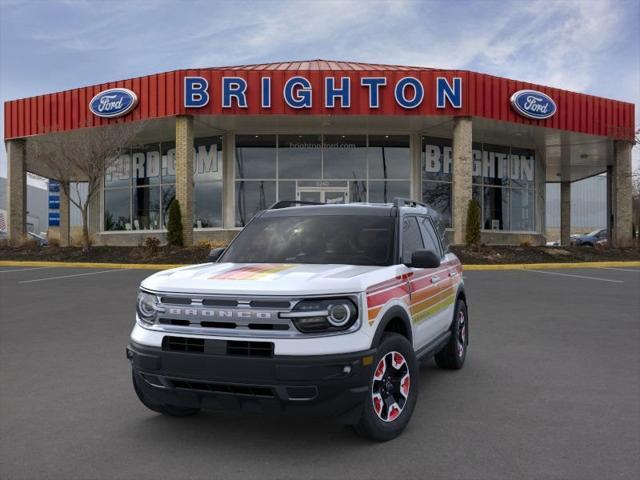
<point x="415" y="147"/>
<point x="621" y="184"/>
<point x="228" y="180"/>
<point x="565" y="213"/>
<point x="462" y="175"/>
<point x="16" y="191"/>
<point x="184" y="174"/>
<point x="65" y="216"/>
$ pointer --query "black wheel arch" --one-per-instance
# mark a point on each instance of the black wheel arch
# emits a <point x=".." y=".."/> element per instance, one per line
<point x="461" y="295"/>
<point x="395" y="320"/>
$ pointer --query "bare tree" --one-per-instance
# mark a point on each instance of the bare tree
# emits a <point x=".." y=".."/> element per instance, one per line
<point x="83" y="155"/>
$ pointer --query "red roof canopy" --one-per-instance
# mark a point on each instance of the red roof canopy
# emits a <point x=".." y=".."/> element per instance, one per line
<point x="161" y="95"/>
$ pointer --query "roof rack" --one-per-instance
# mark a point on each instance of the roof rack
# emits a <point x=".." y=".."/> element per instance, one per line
<point x="406" y="202"/>
<point x="291" y="203"/>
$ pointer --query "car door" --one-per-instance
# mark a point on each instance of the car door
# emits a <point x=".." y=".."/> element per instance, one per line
<point x="444" y="280"/>
<point x="420" y="284"/>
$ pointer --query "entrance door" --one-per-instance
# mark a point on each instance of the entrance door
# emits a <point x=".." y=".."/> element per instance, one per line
<point x="323" y="194"/>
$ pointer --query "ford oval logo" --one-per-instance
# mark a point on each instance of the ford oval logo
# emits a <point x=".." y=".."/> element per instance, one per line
<point x="533" y="104"/>
<point x="114" y="102"/>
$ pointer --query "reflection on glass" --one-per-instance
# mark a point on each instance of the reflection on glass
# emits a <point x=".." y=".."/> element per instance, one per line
<point x="522" y="167"/>
<point x="251" y="197"/>
<point x="522" y="209"/>
<point x="116" y="209"/>
<point x="146" y="208"/>
<point x="389" y="156"/>
<point x="168" y="162"/>
<point x="145" y="165"/>
<point x="345" y="156"/>
<point x="255" y="156"/>
<point x="286" y="190"/>
<point x="436" y="159"/>
<point x="385" y="192"/>
<point x="208" y="205"/>
<point x="118" y="174"/>
<point x="438" y="196"/>
<point x="496" y="208"/>
<point x="168" y="194"/>
<point x="358" y="191"/>
<point x="207" y="161"/>
<point x="300" y="156"/>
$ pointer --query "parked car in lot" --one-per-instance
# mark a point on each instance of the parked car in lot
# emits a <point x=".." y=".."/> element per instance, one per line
<point x="590" y="239"/>
<point x="312" y="310"/>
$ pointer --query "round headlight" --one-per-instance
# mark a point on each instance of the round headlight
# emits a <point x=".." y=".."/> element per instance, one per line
<point x="146" y="306"/>
<point x="339" y="314"/>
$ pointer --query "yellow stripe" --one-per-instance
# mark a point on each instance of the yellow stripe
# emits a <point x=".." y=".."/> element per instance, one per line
<point x="422" y="315"/>
<point x="551" y="266"/>
<point x="132" y="266"/>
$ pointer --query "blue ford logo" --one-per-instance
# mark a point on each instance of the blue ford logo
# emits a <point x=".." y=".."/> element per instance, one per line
<point x="114" y="102"/>
<point x="533" y="104"/>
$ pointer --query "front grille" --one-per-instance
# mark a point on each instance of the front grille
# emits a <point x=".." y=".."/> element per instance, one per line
<point x="217" y="347"/>
<point x="245" y="390"/>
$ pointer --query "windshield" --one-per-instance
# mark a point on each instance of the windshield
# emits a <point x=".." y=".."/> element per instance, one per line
<point x="343" y="239"/>
<point x="594" y="233"/>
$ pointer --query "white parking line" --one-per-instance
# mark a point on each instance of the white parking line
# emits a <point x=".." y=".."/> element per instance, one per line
<point x="69" y="276"/>
<point x="637" y="270"/>
<point x="24" y="269"/>
<point x="577" y="276"/>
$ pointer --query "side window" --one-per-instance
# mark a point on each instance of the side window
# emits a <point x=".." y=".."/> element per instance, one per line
<point x="429" y="235"/>
<point x="411" y="238"/>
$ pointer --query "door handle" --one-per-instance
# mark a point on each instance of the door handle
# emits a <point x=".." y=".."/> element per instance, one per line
<point x="435" y="279"/>
<point x="453" y="274"/>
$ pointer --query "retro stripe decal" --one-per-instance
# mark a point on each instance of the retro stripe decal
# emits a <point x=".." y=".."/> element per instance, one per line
<point x="265" y="271"/>
<point x="417" y="291"/>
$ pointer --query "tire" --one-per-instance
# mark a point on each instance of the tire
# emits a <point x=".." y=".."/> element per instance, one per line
<point x="395" y="376"/>
<point x="165" y="409"/>
<point x="453" y="354"/>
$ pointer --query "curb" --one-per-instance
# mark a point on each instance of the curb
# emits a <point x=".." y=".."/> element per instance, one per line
<point x="164" y="266"/>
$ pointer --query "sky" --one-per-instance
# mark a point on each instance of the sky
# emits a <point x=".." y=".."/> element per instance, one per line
<point x="581" y="45"/>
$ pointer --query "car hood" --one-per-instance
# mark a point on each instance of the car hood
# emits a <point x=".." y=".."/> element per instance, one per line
<point x="261" y="279"/>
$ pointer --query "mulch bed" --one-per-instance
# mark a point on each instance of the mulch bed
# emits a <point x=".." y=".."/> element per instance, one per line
<point x="480" y="256"/>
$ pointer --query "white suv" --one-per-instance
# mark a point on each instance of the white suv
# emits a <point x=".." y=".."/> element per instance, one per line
<point x="312" y="309"/>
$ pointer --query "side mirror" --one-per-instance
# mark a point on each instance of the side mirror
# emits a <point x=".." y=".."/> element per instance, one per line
<point x="424" y="259"/>
<point x="215" y="254"/>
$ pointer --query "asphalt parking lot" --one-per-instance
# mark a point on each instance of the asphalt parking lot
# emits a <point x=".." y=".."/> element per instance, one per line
<point x="551" y="389"/>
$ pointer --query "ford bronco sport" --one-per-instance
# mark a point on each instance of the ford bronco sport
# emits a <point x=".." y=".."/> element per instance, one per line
<point x="312" y="309"/>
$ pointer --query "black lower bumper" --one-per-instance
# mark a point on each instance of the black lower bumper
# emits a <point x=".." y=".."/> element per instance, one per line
<point x="324" y="385"/>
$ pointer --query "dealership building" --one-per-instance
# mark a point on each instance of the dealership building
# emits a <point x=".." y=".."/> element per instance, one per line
<point x="230" y="141"/>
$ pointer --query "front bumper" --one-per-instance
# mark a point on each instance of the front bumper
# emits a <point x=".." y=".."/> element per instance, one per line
<point x="319" y="385"/>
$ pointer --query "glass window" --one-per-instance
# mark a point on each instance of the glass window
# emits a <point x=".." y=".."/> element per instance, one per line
<point x="381" y="191"/>
<point x="207" y="159"/>
<point x="146" y="208"/>
<point x="345" y="157"/>
<point x="522" y="162"/>
<point x="300" y="156"/>
<point x="286" y="190"/>
<point x="256" y="156"/>
<point x="438" y="196"/>
<point x="168" y="194"/>
<point x="358" y="191"/>
<point x="495" y="165"/>
<point x="145" y="165"/>
<point x="429" y="236"/>
<point x="208" y="205"/>
<point x="522" y="209"/>
<point x="389" y="156"/>
<point x="168" y="162"/>
<point x="251" y="197"/>
<point x="117" y="203"/>
<point x="118" y="174"/>
<point x="496" y="208"/>
<point x="411" y="238"/>
<point x="476" y="154"/>
<point x="436" y="159"/>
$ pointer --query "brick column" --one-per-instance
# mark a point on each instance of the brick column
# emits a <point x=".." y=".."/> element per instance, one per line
<point x="16" y="191"/>
<point x="565" y="213"/>
<point x="621" y="185"/>
<point x="228" y="180"/>
<point x="462" y="174"/>
<point x="184" y="174"/>
<point x="65" y="218"/>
